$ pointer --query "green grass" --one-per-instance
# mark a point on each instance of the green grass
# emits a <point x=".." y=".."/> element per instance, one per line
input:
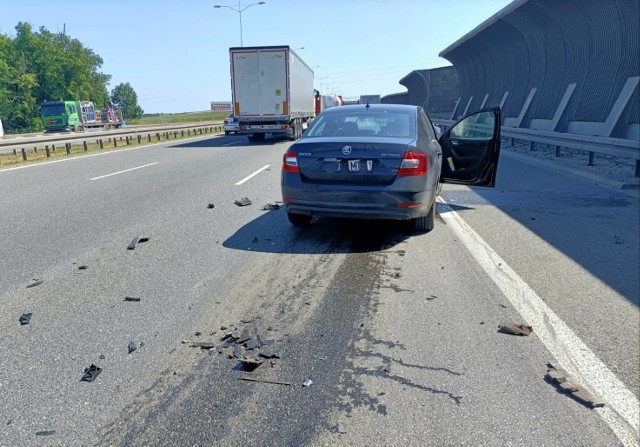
<point x="172" y="118"/>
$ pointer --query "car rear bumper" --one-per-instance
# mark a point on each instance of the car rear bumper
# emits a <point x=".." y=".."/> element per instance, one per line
<point x="393" y="206"/>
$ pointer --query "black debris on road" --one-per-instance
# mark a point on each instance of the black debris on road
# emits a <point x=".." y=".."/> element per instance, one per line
<point x="35" y="283"/>
<point x="25" y="318"/>
<point x="137" y="240"/>
<point x="558" y="377"/>
<point x="515" y="329"/>
<point x="91" y="373"/>
<point x="243" y="202"/>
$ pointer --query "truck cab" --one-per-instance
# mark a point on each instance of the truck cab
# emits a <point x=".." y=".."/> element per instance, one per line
<point x="60" y="116"/>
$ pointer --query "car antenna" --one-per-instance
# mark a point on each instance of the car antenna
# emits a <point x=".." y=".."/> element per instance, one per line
<point x="367" y="106"/>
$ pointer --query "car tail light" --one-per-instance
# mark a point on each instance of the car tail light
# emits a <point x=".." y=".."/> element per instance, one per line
<point x="226" y="121"/>
<point x="413" y="163"/>
<point x="287" y="126"/>
<point x="290" y="162"/>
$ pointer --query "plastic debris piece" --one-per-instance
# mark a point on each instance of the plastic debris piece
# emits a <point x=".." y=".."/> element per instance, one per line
<point x="91" y="373"/>
<point x="250" y="364"/>
<point x="226" y="336"/>
<point x="269" y="355"/>
<point x="102" y="357"/>
<point x="46" y="433"/>
<point x="137" y="240"/>
<point x="515" y="329"/>
<point x="211" y="206"/>
<point x="132" y="298"/>
<point x="270" y="207"/>
<point x="25" y="318"/>
<point x="503" y="305"/>
<point x="251" y="344"/>
<point x="83" y="267"/>
<point x="275" y="382"/>
<point x="243" y="202"/>
<point x="35" y="283"/>
<point x="255" y="240"/>
<point x="558" y="376"/>
<point x="203" y="345"/>
<point x="431" y="297"/>
<point x="132" y="346"/>
<point x="308" y="383"/>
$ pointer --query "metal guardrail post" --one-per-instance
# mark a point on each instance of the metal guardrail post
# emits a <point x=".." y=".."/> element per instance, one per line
<point x="85" y="146"/>
<point x="139" y="138"/>
<point x="67" y="147"/>
<point x="47" y="151"/>
<point x="149" y="137"/>
<point x="590" y="162"/>
<point x="15" y="152"/>
<point x="115" y="142"/>
<point x="637" y="173"/>
<point x="53" y="147"/>
<point x="24" y="154"/>
<point x="101" y="144"/>
<point x="35" y="150"/>
<point x="158" y="135"/>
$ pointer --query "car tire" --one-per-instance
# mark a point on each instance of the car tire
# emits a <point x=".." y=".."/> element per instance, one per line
<point x="227" y="133"/>
<point x="425" y="224"/>
<point x="299" y="220"/>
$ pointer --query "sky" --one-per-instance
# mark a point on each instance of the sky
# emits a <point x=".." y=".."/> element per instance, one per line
<point x="175" y="53"/>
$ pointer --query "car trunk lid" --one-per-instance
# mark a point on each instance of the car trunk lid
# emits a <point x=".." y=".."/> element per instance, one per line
<point x="351" y="161"/>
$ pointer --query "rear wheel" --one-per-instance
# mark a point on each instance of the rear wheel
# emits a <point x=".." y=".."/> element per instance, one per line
<point x="424" y="224"/>
<point x="299" y="220"/>
<point x="227" y="133"/>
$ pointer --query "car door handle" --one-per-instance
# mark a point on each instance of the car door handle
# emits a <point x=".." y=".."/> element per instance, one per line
<point x="454" y="142"/>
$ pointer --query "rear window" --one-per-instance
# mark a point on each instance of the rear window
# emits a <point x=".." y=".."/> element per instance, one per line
<point x="363" y="123"/>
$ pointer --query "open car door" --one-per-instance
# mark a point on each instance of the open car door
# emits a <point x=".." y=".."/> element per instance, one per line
<point x="471" y="149"/>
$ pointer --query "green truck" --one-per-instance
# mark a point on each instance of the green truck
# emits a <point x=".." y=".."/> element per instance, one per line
<point x="61" y="116"/>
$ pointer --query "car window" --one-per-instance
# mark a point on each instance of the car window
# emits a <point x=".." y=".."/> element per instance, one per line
<point x="364" y="123"/>
<point x="478" y="126"/>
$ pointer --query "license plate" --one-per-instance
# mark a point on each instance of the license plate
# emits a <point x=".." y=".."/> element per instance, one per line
<point x="353" y="165"/>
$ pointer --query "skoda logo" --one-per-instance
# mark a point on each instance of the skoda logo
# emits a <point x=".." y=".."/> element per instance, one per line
<point x="346" y="150"/>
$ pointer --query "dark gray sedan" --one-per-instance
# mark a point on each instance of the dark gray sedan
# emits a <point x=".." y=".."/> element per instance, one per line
<point x="385" y="161"/>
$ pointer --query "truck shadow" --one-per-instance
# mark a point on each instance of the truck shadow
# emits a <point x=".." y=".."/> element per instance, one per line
<point x="229" y="141"/>
<point x="272" y="233"/>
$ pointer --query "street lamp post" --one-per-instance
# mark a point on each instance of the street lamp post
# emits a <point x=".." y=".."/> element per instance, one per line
<point x="239" y="11"/>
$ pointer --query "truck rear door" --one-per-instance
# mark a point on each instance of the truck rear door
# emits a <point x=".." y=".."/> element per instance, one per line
<point x="260" y="82"/>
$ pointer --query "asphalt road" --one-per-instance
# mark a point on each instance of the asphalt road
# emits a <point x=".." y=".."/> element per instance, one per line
<point x="397" y="332"/>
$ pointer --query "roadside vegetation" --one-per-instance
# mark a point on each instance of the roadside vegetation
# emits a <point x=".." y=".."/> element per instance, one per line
<point x="38" y="66"/>
<point x="173" y="118"/>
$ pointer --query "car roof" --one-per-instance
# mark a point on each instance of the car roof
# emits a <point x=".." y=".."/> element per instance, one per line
<point x="375" y="107"/>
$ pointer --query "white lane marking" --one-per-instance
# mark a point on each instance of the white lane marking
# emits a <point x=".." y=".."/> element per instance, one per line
<point x="622" y="409"/>
<point x="126" y="170"/>
<point x="233" y="142"/>
<point x="252" y="175"/>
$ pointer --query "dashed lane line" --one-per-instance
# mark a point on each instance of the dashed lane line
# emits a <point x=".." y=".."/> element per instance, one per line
<point x="125" y="170"/>
<point x="249" y="177"/>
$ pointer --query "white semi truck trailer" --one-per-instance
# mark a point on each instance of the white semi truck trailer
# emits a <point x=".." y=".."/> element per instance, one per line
<point x="272" y="91"/>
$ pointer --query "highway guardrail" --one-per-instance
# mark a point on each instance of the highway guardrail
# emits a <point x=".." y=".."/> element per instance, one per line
<point x="618" y="147"/>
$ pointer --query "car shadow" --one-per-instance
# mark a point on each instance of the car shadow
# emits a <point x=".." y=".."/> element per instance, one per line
<point x="272" y="233"/>
<point x="227" y="141"/>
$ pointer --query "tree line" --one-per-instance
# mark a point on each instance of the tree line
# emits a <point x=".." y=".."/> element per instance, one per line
<point x="38" y="66"/>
